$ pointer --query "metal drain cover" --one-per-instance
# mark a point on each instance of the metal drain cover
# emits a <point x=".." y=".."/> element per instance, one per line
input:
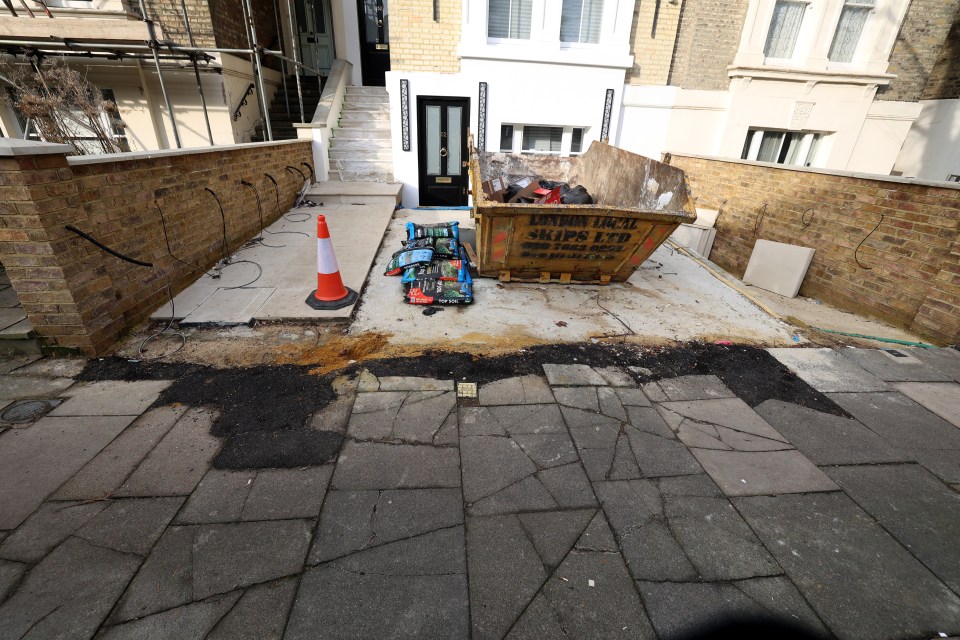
<point x="24" y="411"/>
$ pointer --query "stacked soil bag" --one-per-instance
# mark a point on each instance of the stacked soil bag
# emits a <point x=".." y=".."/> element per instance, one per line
<point x="433" y="265"/>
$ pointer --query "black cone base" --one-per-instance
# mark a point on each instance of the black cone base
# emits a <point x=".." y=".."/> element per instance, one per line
<point x="321" y="305"/>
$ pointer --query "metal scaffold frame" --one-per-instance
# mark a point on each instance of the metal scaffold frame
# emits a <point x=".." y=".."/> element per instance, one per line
<point x="156" y="51"/>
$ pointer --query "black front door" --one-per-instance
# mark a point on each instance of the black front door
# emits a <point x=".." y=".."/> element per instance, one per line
<point x="374" y="41"/>
<point x="442" y="140"/>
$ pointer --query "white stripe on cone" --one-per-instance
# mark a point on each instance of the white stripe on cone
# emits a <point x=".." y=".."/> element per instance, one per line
<point x="326" y="260"/>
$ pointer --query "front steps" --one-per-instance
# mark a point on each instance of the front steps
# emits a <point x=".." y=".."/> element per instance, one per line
<point x="360" y="148"/>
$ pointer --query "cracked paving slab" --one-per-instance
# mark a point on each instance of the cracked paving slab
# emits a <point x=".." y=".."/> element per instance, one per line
<point x="529" y="389"/>
<point x="356" y="520"/>
<point x="69" y="593"/>
<point x="267" y="494"/>
<point x="195" y="562"/>
<point x="373" y="465"/>
<point x="511" y="420"/>
<point x="684" y="388"/>
<point x="260" y="613"/>
<point x="407" y="416"/>
<point x="858" y="578"/>
<point x="194" y="620"/>
<point x="682" y="608"/>
<point x="416" y="587"/>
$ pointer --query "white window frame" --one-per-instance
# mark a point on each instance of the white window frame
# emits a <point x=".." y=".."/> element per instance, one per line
<point x="799" y="45"/>
<point x="811" y="141"/>
<point x="507" y="40"/>
<point x="579" y="42"/>
<point x="566" y="140"/>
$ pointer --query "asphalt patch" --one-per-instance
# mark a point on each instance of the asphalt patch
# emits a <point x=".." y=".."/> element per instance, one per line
<point x="282" y="449"/>
<point x="264" y="411"/>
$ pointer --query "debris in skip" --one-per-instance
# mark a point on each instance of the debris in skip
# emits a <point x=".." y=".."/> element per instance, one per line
<point x="433" y="265"/>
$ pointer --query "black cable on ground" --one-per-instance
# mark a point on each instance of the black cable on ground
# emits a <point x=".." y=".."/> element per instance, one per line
<point x="260" y="210"/>
<point x="154" y="336"/>
<point x="803" y="217"/>
<point x="855" y="251"/>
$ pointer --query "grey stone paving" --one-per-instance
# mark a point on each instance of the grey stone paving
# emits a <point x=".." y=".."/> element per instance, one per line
<point x="573" y="504"/>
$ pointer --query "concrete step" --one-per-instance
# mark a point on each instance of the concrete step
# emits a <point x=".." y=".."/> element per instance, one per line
<point x="360" y="144"/>
<point x="364" y="116"/>
<point x="360" y="192"/>
<point x="384" y="154"/>
<point x="363" y="170"/>
<point x="19" y="338"/>
<point x="361" y="133"/>
<point x="370" y="91"/>
<point x="365" y="100"/>
<point x="362" y="124"/>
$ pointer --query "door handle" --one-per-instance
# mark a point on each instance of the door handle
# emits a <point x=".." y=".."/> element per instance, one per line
<point x="443" y="152"/>
<point x="379" y="23"/>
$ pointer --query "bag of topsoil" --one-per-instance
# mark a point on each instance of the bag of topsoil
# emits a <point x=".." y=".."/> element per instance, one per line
<point x="441" y="230"/>
<point x="454" y="270"/>
<point x="446" y="248"/>
<point x="405" y="258"/>
<point x="432" y="291"/>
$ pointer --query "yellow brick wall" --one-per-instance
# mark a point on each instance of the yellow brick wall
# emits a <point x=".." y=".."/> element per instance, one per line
<point x="418" y="43"/>
<point x="652" y="44"/>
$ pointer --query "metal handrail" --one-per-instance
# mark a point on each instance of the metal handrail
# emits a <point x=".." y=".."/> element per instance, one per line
<point x="243" y="102"/>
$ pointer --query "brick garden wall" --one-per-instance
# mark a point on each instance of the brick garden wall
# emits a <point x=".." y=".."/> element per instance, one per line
<point x="914" y="256"/>
<point x="420" y="43"/>
<point x="79" y="297"/>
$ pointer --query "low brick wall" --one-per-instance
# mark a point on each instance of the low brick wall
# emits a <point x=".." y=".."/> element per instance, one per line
<point x="913" y="279"/>
<point x="76" y="295"/>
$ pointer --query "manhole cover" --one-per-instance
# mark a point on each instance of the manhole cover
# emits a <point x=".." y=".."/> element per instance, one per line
<point x="23" y="411"/>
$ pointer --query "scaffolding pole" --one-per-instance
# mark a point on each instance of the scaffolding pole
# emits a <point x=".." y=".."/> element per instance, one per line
<point x="196" y="72"/>
<point x="283" y="61"/>
<point x="156" y="62"/>
<point x="294" y="29"/>
<point x="257" y="66"/>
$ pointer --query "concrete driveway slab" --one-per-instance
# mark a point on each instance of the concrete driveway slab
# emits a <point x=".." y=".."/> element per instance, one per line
<point x="112" y="398"/>
<point x="743" y="473"/>
<point x="943" y="398"/>
<point x="894" y="365"/>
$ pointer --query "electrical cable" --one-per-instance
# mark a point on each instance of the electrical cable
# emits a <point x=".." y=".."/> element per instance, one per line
<point x="223" y="219"/>
<point x="259" y="241"/>
<point x="285" y="216"/>
<point x="309" y="168"/>
<point x="115" y="254"/>
<point x="855" y="251"/>
<point x="226" y="257"/>
<point x="761" y="212"/>
<point x="139" y="263"/>
<point x="163" y="224"/>
<point x="803" y="217"/>
<point x="292" y="168"/>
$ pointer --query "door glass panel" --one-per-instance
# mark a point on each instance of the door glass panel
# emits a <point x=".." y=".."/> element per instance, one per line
<point x="370" y="21"/>
<point x="302" y="25"/>
<point x="454" y="116"/>
<point x="318" y="18"/>
<point x="433" y="140"/>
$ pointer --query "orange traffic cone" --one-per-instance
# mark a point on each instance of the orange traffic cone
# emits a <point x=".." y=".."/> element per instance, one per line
<point x="330" y="293"/>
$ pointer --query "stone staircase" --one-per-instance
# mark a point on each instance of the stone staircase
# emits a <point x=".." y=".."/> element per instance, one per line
<point x="360" y="147"/>
<point x="280" y="122"/>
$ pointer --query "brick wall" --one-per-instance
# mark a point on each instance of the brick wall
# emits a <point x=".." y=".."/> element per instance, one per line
<point x="918" y="47"/>
<point x="418" y="43"/>
<point x="944" y="80"/>
<point x="653" y="36"/>
<point x="79" y="297"/>
<point x="168" y="14"/>
<point x="707" y="42"/>
<point x="913" y="278"/>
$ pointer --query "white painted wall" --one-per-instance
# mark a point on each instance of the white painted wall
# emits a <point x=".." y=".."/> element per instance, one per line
<point x="863" y="135"/>
<point x="346" y="36"/>
<point x="518" y="93"/>
<point x="932" y="148"/>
